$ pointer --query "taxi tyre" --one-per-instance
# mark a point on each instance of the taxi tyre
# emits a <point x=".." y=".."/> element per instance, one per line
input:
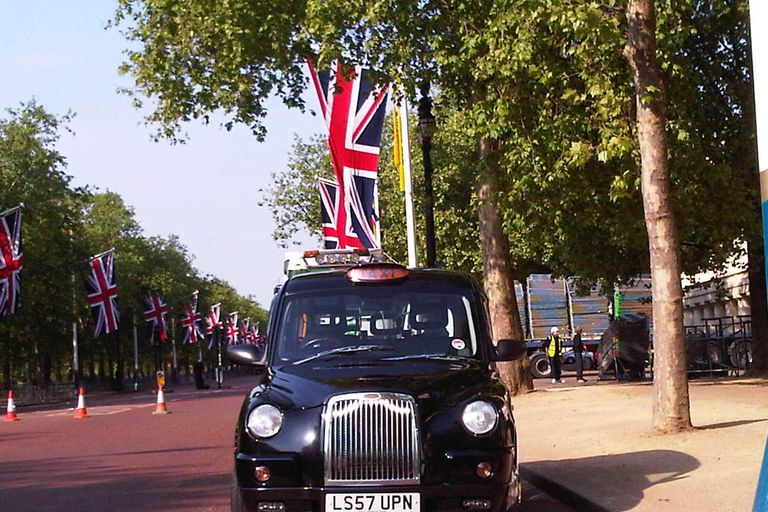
<point x="236" y="499"/>
<point x="540" y="366"/>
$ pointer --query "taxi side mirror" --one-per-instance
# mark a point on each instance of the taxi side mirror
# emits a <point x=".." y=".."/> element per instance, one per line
<point x="246" y="355"/>
<point x="509" y="350"/>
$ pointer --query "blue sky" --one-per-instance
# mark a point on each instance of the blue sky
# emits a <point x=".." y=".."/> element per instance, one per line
<point x="205" y="191"/>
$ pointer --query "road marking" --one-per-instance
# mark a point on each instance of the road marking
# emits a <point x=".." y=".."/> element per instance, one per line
<point x="104" y="410"/>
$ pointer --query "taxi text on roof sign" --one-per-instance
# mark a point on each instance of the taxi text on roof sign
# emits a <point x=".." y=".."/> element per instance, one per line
<point x="376" y="273"/>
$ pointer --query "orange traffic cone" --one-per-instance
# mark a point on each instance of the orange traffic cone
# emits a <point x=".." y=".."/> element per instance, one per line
<point x="160" y="407"/>
<point x="11" y="414"/>
<point x="80" y="412"/>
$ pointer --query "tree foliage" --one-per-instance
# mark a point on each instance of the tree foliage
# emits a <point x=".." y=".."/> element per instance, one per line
<point x="63" y="227"/>
<point x="542" y="85"/>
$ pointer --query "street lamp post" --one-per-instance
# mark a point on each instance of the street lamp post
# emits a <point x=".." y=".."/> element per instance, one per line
<point x="426" y="131"/>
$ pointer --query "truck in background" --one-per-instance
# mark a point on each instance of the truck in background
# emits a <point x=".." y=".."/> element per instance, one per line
<point x="545" y="302"/>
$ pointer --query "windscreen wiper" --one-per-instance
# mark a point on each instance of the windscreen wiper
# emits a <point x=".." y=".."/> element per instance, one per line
<point x="442" y="357"/>
<point x="344" y="350"/>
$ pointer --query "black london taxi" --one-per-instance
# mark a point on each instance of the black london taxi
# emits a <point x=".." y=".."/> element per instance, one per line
<point x="378" y="393"/>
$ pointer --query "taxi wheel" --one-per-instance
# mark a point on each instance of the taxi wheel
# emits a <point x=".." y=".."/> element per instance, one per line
<point x="236" y="499"/>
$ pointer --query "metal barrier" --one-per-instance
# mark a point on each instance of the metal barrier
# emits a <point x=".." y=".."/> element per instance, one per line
<point x="721" y="346"/>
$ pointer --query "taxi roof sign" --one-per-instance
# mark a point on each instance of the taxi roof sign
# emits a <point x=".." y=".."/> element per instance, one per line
<point x="377" y="273"/>
<point x="323" y="259"/>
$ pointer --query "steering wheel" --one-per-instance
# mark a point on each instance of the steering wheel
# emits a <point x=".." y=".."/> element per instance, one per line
<point x="325" y="342"/>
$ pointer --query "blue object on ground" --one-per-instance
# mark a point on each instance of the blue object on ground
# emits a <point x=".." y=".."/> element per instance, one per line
<point x="761" y="495"/>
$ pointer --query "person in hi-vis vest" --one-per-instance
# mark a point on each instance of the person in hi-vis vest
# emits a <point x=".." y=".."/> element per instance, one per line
<point x="554" y="346"/>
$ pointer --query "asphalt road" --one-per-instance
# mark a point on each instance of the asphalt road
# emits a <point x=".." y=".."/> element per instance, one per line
<point x="125" y="458"/>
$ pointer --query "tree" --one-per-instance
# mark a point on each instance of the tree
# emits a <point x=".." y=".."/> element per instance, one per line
<point x="293" y="196"/>
<point x="32" y="172"/>
<point x="219" y="60"/>
<point x="543" y="89"/>
<point x="63" y="227"/>
<point x="671" y="409"/>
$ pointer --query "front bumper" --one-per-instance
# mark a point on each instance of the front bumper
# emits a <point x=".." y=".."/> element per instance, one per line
<point x="433" y="497"/>
<point x="445" y="491"/>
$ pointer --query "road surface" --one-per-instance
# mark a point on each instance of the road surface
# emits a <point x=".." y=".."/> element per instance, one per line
<point x="125" y="458"/>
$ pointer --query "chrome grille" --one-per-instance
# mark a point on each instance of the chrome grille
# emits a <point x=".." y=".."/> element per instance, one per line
<point x="371" y="438"/>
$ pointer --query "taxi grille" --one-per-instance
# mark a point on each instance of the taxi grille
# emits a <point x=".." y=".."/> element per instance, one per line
<point x="371" y="438"/>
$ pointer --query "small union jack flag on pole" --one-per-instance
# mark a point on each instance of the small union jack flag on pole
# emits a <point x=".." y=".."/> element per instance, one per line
<point x="191" y="322"/>
<point x="102" y="292"/>
<point x="156" y="314"/>
<point x="213" y="321"/>
<point x="232" y="329"/>
<point x="11" y="255"/>
<point x="245" y="330"/>
<point x="354" y="114"/>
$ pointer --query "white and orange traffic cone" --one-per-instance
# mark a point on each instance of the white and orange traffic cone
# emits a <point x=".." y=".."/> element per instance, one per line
<point x="80" y="412"/>
<point x="11" y="414"/>
<point x="160" y="408"/>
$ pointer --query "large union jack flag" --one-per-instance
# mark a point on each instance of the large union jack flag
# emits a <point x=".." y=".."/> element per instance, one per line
<point x="155" y="314"/>
<point x="191" y="322"/>
<point x="102" y="292"/>
<point x="353" y="111"/>
<point x="11" y="255"/>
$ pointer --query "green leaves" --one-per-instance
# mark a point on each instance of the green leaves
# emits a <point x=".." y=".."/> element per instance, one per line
<point x="63" y="227"/>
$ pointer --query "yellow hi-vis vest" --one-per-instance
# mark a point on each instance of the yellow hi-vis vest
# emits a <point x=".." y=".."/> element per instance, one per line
<point x="553" y="347"/>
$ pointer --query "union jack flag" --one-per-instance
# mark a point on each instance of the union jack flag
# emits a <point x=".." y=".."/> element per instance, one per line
<point x="353" y="111"/>
<point x="191" y="323"/>
<point x="102" y="292"/>
<point x="246" y="330"/>
<point x="213" y="321"/>
<point x="329" y="205"/>
<point x="11" y="255"/>
<point x="232" y="329"/>
<point x="156" y="314"/>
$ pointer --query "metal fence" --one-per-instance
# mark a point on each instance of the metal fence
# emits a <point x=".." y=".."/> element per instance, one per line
<point x="720" y="346"/>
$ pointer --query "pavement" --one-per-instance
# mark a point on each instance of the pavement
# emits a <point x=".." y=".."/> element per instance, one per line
<point x="592" y="446"/>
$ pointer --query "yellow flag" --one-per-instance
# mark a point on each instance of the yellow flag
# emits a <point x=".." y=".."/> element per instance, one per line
<point x="398" y="146"/>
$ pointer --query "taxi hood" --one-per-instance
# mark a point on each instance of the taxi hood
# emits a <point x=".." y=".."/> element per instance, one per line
<point x="446" y="379"/>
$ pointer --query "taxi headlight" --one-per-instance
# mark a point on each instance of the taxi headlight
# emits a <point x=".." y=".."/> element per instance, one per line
<point x="265" y="421"/>
<point x="479" y="417"/>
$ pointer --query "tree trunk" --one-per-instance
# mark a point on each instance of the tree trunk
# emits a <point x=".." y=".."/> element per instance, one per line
<point x="498" y="280"/>
<point x="671" y="407"/>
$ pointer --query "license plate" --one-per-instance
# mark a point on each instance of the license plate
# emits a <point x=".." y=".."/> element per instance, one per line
<point x="373" y="502"/>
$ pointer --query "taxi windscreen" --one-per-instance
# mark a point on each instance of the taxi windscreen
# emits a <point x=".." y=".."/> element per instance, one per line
<point x="403" y="323"/>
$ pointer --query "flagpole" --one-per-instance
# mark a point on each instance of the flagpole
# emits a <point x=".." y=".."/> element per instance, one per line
<point x="101" y="254"/>
<point x="75" y="351"/>
<point x="410" y="223"/>
<point x="135" y="355"/>
<point x="11" y="210"/>
<point x="173" y="347"/>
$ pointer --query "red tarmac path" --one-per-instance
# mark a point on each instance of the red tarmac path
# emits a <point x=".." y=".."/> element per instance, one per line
<point x="124" y="458"/>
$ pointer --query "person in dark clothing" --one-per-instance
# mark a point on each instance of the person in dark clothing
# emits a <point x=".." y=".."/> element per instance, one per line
<point x="199" y="382"/>
<point x="554" y="348"/>
<point x="578" y="348"/>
